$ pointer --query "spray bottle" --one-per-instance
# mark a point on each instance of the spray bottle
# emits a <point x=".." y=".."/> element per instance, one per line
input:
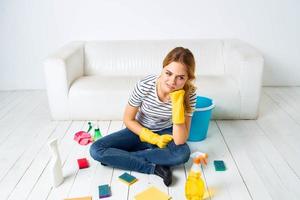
<point x="55" y="166"/>
<point x="194" y="186"/>
<point x="97" y="134"/>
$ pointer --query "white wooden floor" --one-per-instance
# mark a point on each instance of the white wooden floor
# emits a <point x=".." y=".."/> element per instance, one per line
<point x="262" y="156"/>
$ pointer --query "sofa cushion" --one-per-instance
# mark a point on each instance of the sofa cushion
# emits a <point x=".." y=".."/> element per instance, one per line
<point x="140" y="58"/>
<point x="92" y="97"/>
<point x="105" y="98"/>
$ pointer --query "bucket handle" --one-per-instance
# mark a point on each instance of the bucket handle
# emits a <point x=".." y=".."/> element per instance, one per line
<point x="206" y="108"/>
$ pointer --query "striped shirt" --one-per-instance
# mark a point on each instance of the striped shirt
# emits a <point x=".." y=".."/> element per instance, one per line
<point x="153" y="113"/>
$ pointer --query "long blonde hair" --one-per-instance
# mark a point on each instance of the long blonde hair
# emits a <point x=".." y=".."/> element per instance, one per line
<point x="185" y="57"/>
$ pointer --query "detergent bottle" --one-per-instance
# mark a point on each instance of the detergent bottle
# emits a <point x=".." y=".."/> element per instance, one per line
<point x="55" y="166"/>
<point x="97" y="134"/>
<point x="194" y="186"/>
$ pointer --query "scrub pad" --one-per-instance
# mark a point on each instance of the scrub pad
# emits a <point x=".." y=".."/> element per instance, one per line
<point x="104" y="191"/>
<point x="219" y="165"/>
<point x="127" y="178"/>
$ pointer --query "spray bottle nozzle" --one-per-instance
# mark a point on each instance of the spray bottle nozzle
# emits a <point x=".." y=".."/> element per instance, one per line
<point x="199" y="157"/>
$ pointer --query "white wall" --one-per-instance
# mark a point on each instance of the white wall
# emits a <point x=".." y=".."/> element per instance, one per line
<point x="31" y="29"/>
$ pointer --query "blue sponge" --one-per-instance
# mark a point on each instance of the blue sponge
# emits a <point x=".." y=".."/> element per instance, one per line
<point x="104" y="191"/>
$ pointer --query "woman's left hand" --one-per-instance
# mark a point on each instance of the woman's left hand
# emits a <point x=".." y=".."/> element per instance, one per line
<point x="178" y="110"/>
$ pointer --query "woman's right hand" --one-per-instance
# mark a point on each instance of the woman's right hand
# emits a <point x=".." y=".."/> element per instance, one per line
<point x="160" y="140"/>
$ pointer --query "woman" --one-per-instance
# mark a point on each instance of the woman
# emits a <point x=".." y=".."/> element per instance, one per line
<point x="157" y="119"/>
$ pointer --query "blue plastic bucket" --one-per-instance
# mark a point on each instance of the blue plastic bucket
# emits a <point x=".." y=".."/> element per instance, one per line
<point x="201" y="118"/>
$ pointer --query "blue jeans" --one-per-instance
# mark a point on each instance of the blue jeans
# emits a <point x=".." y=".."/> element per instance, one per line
<point x="124" y="149"/>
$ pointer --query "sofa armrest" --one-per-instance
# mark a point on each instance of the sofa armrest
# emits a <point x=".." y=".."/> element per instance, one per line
<point x="61" y="69"/>
<point x="245" y="64"/>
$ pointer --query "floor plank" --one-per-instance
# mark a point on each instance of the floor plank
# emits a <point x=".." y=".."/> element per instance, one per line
<point x="23" y="135"/>
<point x="287" y="99"/>
<point x="177" y="189"/>
<point x="118" y="188"/>
<point x="282" y="131"/>
<point x="8" y="101"/>
<point x="221" y="185"/>
<point x="41" y="188"/>
<point x="5" y="94"/>
<point x="16" y="116"/>
<point x="251" y="150"/>
<point x="101" y="175"/>
<point x="37" y="165"/>
<point x="80" y="186"/>
<point x="68" y="149"/>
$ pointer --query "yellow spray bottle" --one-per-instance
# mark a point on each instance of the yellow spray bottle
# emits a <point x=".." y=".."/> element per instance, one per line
<point x="194" y="186"/>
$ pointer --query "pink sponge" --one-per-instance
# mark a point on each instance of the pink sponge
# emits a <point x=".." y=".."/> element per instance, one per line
<point x="83" y="163"/>
<point x="83" y="138"/>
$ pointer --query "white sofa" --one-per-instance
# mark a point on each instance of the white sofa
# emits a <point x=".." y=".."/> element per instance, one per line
<point x="93" y="80"/>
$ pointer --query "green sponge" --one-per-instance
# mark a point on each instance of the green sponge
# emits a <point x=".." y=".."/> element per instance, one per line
<point x="219" y="165"/>
<point x="127" y="178"/>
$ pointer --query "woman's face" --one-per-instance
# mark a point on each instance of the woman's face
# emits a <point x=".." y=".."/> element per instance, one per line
<point x="173" y="77"/>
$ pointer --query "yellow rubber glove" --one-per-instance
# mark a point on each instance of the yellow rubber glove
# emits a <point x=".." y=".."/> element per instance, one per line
<point x="177" y="99"/>
<point x="160" y="140"/>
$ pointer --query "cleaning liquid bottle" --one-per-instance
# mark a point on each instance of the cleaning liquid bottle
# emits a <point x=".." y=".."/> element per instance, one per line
<point x="97" y="134"/>
<point x="194" y="186"/>
<point x="55" y="166"/>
